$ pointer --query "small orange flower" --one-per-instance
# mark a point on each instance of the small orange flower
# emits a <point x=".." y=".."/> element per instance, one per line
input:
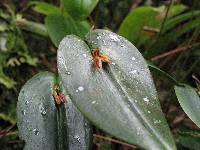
<point x="59" y="97"/>
<point x="99" y="58"/>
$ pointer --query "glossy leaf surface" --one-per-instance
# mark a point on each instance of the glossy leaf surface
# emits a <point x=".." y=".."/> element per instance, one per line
<point x="120" y="98"/>
<point x="42" y="125"/>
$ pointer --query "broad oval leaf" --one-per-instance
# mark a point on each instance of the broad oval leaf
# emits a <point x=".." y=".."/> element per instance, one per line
<point x="43" y="126"/>
<point x="189" y="101"/>
<point x="121" y="98"/>
<point x="60" y="25"/>
<point x="143" y="23"/>
<point x="79" y="9"/>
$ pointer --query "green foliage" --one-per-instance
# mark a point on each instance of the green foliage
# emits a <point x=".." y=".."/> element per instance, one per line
<point x="66" y="26"/>
<point x="43" y="125"/>
<point x="79" y="9"/>
<point x="67" y="22"/>
<point x="118" y="99"/>
<point x="133" y="27"/>
<point x="13" y="50"/>
<point x="189" y="138"/>
<point x="44" y="8"/>
<point x="59" y="30"/>
<point x="190" y="102"/>
<point x="146" y="32"/>
<point x="162" y="73"/>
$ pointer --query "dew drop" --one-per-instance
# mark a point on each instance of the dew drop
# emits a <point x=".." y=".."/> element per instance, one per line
<point x="23" y="112"/>
<point x="80" y="88"/>
<point x="43" y="111"/>
<point x="157" y="121"/>
<point x="84" y="55"/>
<point x="26" y="102"/>
<point x="146" y="99"/>
<point x="133" y="72"/>
<point x="114" y="38"/>
<point x="36" y="131"/>
<point x="98" y="37"/>
<point x="113" y="63"/>
<point x="68" y="73"/>
<point x="93" y="102"/>
<point x="77" y="138"/>
<point x="133" y="58"/>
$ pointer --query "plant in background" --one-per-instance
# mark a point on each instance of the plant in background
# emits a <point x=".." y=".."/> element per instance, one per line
<point x="117" y="87"/>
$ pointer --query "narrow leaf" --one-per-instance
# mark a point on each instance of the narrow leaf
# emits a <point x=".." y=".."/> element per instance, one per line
<point x="44" y="8"/>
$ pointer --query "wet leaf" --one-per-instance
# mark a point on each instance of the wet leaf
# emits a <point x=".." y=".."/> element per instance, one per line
<point x="43" y="125"/>
<point x="120" y="98"/>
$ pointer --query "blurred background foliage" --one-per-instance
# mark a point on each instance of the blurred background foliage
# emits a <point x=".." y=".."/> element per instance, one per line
<point x="166" y="32"/>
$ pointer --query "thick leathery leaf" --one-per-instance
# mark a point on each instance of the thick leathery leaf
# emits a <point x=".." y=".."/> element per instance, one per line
<point x="79" y="130"/>
<point x="42" y="125"/>
<point x="35" y="110"/>
<point x="121" y="98"/>
<point x="189" y="101"/>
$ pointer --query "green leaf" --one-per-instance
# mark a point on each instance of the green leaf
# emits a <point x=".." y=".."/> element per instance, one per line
<point x="58" y="26"/>
<point x="190" y="142"/>
<point x="133" y="25"/>
<point x="189" y="101"/>
<point x="83" y="27"/>
<point x="79" y="9"/>
<point x="151" y="17"/>
<point x="163" y="73"/>
<point x="176" y="10"/>
<point x="31" y="26"/>
<point x="43" y="125"/>
<point x="171" y="23"/>
<point x="44" y="8"/>
<point x="5" y="80"/>
<point x="172" y="36"/>
<point x="120" y="98"/>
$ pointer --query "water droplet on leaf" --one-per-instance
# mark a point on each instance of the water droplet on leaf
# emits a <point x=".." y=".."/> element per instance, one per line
<point x="146" y="100"/>
<point x="80" y="88"/>
<point x="43" y="111"/>
<point x="36" y="131"/>
<point x="26" y="102"/>
<point x="93" y="102"/>
<point x="77" y="138"/>
<point x="68" y="73"/>
<point x="133" y="58"/>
